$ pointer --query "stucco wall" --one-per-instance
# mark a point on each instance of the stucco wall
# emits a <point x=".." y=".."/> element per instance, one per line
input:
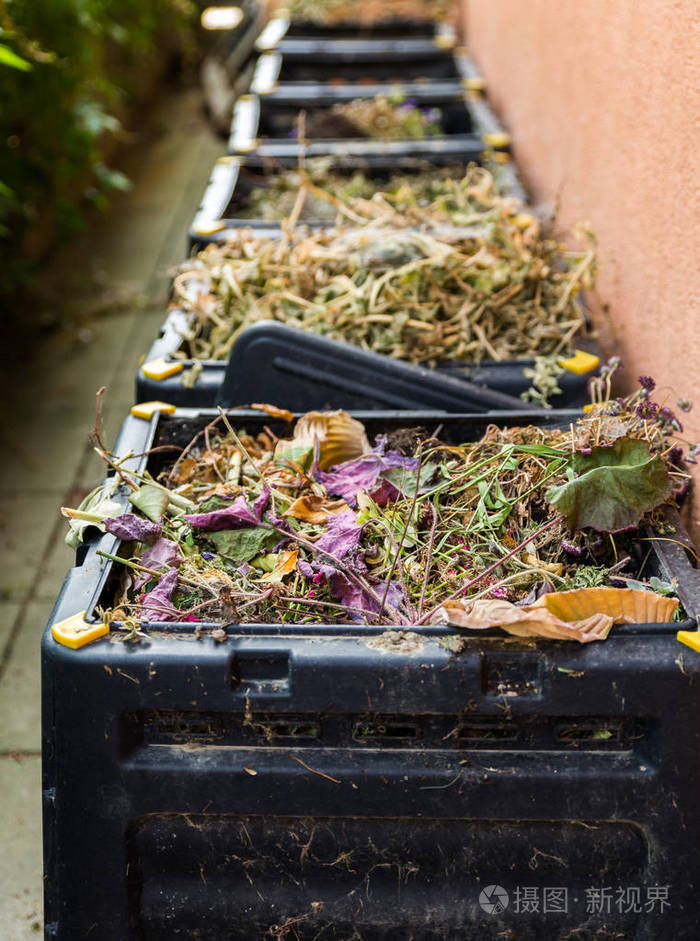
<point x="602" y="98"/>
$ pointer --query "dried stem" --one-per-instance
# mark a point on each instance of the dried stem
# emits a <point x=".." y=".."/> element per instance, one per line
<point x="492" y="568"/>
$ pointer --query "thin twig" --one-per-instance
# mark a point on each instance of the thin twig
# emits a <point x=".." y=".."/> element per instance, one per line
<point x="399" y="547"/>
<point x="497" y="564"/>
<point x="129" y="563"/>
<point x="364" y="586"/>
<point x="428" y="559"/>
<point x="321" y="774"/>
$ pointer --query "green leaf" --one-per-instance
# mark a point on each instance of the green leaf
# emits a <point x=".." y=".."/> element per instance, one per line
<point x="152" y="501"/>
<point x="99" y="504"/>
<point x="11" y="59"/>
<point x="405" y="480"/>
<point x="266" y="563"/>
<point x="214" y="502"/>
<point x="242" y="545"/>
<point x="614" y="487"/>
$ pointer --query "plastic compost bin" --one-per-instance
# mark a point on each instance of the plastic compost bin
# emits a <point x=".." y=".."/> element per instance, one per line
<point x="281" y="28"/>
<point x="351" y="783"/>
<point x="261" y="128"/>
<point x="274" y="69"/>
<point x="271" y="359"/>
<point x="361" y="63"/>
<point x="353" y="61"/>
<point x="223" y="26"/>
<point x="235" y="45"/>
<point x="225" y="205"/>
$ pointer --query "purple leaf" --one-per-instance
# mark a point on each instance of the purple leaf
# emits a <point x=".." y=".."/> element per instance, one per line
<point x="352" y="596"/>
<point x="130" y="526"/>
<point x="385" y="493"/>
<point x="347" y="479"/>
<point x="162" y="554"/>
<point x="158" y="605"/>
<point x="231" y="517"/>
<point x="341" y="539"/>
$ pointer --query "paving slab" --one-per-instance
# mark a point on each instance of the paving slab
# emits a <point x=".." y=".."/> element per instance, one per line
<point x="28" y="521"/>
<point x="20" y="683"/>
<point x="21" y="879"/>
<point x="43" y="458"/>
<point x="60" y="558"/>
<point x="9" y="615"/>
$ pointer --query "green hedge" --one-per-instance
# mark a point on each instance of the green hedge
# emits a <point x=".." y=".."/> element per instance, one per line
<point x="67" y="69"/>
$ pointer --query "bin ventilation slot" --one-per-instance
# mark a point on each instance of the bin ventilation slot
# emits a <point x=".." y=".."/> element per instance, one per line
<point x="258" y="729"/>
<point x="383" y="729"/>
<point x="170" y="728"/>
<point x="488" y="732"/>
<point x="588" y="734"/>
<point x="289" y="729"/>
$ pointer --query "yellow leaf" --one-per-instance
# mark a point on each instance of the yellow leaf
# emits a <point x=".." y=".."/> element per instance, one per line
<point x="527" y="621"/>
<point x="338" y="436"/>
<point x="312" y="508"/>
<point x="583" y="614"/>
<point x="624" y="605"/>
<point x="287" y="562"/>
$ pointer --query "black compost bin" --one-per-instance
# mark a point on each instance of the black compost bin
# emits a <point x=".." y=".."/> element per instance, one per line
<point x="282" y="29"/>
<point x="347" y="784"/>
<point x="227" y="203"/>
<point x="297" y="67"/>
<point x="271" y="359"/>
<point x="265" y="127"/>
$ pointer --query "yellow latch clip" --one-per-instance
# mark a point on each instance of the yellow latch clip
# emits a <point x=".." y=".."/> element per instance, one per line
<point x="75" y="631"/>
<point x="147" y="410"/>
<point x="446" y="40"/>
<point x="690" y="639"/>
<point x="580" y="363"/>
<point x="496" y="139"/>
<point x="161" y="368"/>
<point x="473" y="83"/>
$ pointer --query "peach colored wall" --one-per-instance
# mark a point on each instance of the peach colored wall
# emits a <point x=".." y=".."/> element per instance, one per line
<point x="602" y="99"/>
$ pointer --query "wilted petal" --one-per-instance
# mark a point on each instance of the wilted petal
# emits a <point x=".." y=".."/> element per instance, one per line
<point x="306" y="569"/>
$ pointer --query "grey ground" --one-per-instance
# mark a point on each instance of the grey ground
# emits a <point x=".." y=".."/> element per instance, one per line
<point x="109" y="287"/>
